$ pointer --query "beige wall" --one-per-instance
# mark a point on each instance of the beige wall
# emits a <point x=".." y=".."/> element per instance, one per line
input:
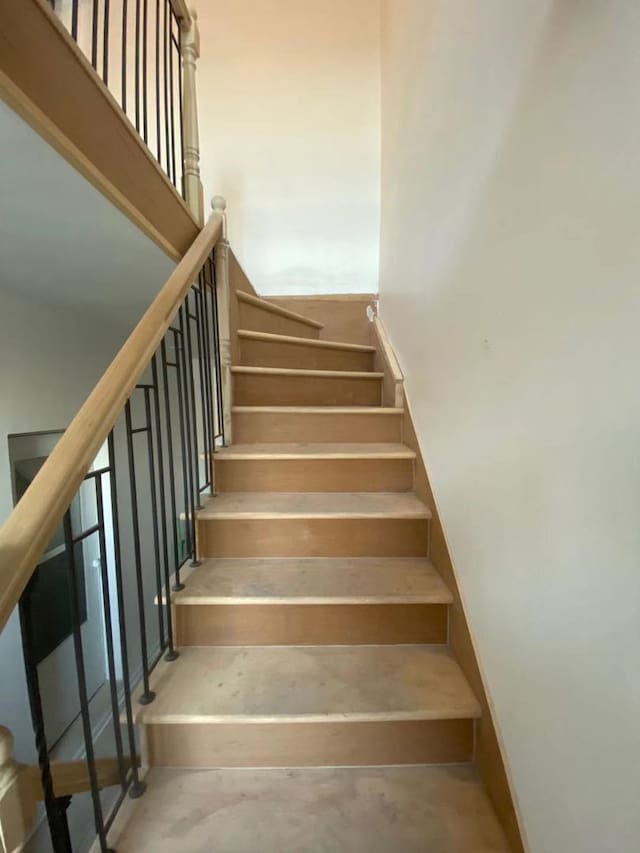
<point x="510" y="285"/>
<point x="290" y="135"/>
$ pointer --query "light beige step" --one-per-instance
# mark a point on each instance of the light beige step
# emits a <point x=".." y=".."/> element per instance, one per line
<point x="316" y="424"/>
<point x="268" y="350"/>
<point x="310" y="524"/>
<point x="380" y="809"/>
<point x="311" y="601"/>
<point x="318" y="705"/>
<point x="273" y="386"/>
<point x="259" y="315"/>
<point x="314" y="467"/>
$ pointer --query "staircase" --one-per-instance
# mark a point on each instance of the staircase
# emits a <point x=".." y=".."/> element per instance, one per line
<point x="314" y="632"/>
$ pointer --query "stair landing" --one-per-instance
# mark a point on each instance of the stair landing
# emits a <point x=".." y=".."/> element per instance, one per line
<point x="319" y="810"/>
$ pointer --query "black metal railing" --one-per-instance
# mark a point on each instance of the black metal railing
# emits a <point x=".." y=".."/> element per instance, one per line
<point x="129" y="532"/>
<point x="134" y="46"/>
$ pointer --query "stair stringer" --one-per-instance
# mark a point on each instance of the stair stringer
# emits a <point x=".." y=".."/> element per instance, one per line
<point x="489" y="753"/>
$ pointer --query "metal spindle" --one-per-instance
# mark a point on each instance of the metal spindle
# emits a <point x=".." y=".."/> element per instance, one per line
<point x="105" y="42"/>
<point x="56" y="814"/>
<point x="108" y="628"/>
<point x="137" y="67"/>
<point x="137" y="787"/>
<point x="123" y="65"/>
<point x="94" y="34"/>
<point x="158" y="123"/>
<point x="74" y="599"/>
<point x="199" y="338"/>
<point x="172" y="174"/>
<point x="186" y="367"/>
<point x="145" y="92"/>
<point x="147" y="695"/>
<point x="154" y="513"/>
<point x="165" y="66"/>
<point x="216" y="349"/>
<point x="74" y="20"/>
<point x="171" y="652"/>
<point x="194" y="457"/>
<point x="206" y="326"/>
<point x="172" y="485"/>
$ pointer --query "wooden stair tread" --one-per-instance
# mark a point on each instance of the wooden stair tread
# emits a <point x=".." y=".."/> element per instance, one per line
<point x="314" y="580"/>
<point x="291" y="371"/>
<point x="375" y="809"/>
<point x="272" y="337"/>
<point x="335" y="505"/>
<point x="276" y="309"/>
<point x="316" y="450"/>
<point x="317" y="410"/>
<point x="273" y="684"/>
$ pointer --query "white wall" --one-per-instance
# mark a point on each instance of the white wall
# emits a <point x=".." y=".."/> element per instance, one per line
<point x="50" y="358"/>
<point x="289" y="131"/>
<point x="510" y="285"/>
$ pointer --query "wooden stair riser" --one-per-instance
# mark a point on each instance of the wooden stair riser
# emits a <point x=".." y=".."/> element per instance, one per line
<point x="258" y="319"/>
<point x="282" y="390"/>
<point x="310" y="624"/>
<point x="313" y="744"/>
<point x="259" y="426"/>
<point x="273" y="354"/>
<point x="313" y="537"/>
<point x="313" y="475"/>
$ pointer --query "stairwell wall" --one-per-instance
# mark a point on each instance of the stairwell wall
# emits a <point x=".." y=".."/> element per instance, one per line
<point x="509" y="288"/>
<point x="289" y="115"/>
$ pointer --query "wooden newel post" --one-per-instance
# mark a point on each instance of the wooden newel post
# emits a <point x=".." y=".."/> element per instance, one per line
<point x="219" y="206"/>
<point x="190" y="49"/>
<point x="17" y="803"/>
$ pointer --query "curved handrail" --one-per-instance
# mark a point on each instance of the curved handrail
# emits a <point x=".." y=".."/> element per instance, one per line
<point x="29" y="528"/>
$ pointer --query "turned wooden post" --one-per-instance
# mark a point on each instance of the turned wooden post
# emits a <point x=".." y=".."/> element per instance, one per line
<point x="17" y="800"/>
<point x="219" y="206"/>
<point x="190" y="50"/>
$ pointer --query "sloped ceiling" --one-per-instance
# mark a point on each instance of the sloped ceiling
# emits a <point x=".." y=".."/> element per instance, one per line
<point x="61" y="241"/>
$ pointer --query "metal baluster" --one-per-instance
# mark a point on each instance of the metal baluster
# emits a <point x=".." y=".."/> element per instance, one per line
<point x="105" y="42"/>
<point x="194" y="458"/>
<point x="56" y="813"/>
<point x="108" y="628"/>
<point x="154" y="513"/>
<point x="145" y="87"/>
<point x="158" y="124"/>
<point x="171" y="653"/>
<point x="216" y="348"/>
<point x="94" y="34"/>
<point x="199" y="338"/>
<point x="137" y="66"/>
<point x="187" y="369"/>
<point x="124" y="55"/>
<point x="172" y="486"/>
<point x="137" y="787"/>
<point x="148" y="695"/>
<point x="74" y="599"/>
<point x="208" y="402"/>
<point x="172" y="174"/>
<point x="165" y="67"/>
<point x="180" y="117"/>
<point x="74" y="20"/>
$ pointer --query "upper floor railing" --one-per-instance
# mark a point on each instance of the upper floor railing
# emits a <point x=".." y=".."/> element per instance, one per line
<point x="117" y="497"/>
<point x="145" y="52"/>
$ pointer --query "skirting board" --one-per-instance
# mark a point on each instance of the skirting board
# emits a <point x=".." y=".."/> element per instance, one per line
<point x="489" y="759"/>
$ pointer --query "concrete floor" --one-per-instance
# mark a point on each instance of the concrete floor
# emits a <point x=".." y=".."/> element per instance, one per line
<point x="412" y="809"/>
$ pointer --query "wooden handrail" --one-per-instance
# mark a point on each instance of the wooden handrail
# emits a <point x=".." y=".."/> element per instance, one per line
<point x="25" y="534"/>
<point x="182" y="11"/>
